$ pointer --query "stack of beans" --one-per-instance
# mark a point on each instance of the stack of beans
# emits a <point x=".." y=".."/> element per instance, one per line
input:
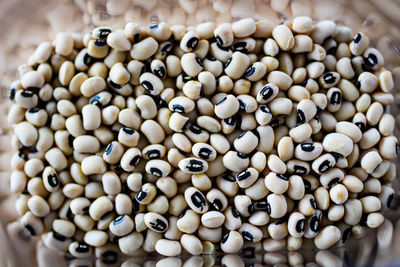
<point x="173" y="138"/>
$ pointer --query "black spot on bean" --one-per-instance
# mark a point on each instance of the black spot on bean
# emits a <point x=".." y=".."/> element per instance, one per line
<point x="217" y="204"/>
<point x="198" y="200"/>
<point x="300" y="170"/>
<point x="235" y="212"/>
<point x="300" y="225"/>
<point x="88" y="60"/>
<point x="248" y="253"/>
<point x="248" y="236"/>
<point x="52" y="180"/>
<point x="59" y="237"/>
<point x="103" y="33"/>
<point x="82" y="248"/>
<point x="266" y="92"/>
<point x="12" y="94"/>
<point x="249" y="71"/>
<point x="336" y="98"/>
<point x="228" y="62"/>
<point x="389" y="201"/>
<point x="156" y="172"/>
<point x="153" y="154"/>
<point x="205" y="153"/>
<point x="282" y="177"/>
<point x="250" y="208"/>
<point x="333" y="181"/>
<point x="100" y="43"/>
<point x="30" y="229"/>
<point x="141" y="195"/>
<point x="195" y="165"/>
<point x="329" y="78"/>
<point x="301" y="118"/>
<point x="260" y="204"/>
<point x="109" y="257"/>
<point x="265" y="109"/>
<point x="225" y="238"/>
<point x="325" y="165"/>
<point x="371" y="60"/>
<point x="158" y="225"/>
<point x="178" y="108"/>
<point x="243" y="175"/>
<point x="357" y="38"/>
<point x="314" y="223"/>
<point x="346" y="234"/>
<point x="308" y="147"/>
<point x="198" y="60"/>
<point x="147" y="86"/>
<point x="221" y="101"/>
<point x="240" y="46"/>
<point x="192" y="43"/>
<point x="27" y="93"/>
<point x="230" y="121"/>
<point x="160" y="72"/>
<point x="128" y="130"/>
<point x="312" y="203"/>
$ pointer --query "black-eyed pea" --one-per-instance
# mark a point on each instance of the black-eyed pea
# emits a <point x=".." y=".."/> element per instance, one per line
<point x="369" y="138"/>
<point x="315" y="69"/>
<point x="247" y="177"/>
<point x="386" y="197"/>
<point x="245" y="45"/>
<point x="306" y="110"/>
<point x="283" y="37"/>
<point x="96" y="238"/>
<point x="316" y="53"/>
<point x="302" y="24"/>
<point x="374" y="113"/>
<point x="372" y="186"/>
<point x="155" y="151"/>
<point x="157" y="167"/>
<point x="80" y="250"/>
<point x="113" y="152"/>
<point x="255" y="72"/>
<point x="271" y="63"/>
<point x="267" y="93"/>
<point x="160" y="205"/>
<point x="63" y="227"/>
<point x="363" y="102"/>
<point x="237" y="65"/>
<point x="232" y="242"/>
<point x="144" y="49"/>
<point x="178" y="122"/>
<point x="213" y="65"/>
<point x="259" y="218"/>
<point x="128" y="137"/>
<point x="235" y="161"/>
<point x="26" y="133"/>
<point x="386" y="124"/>
<point x="278" y="229"/>
<point x="308" y="151"/>
<point x="146" y="194"/>
<point x="307" y="205"/>
<point x="370" y="161"/>
<point x="301" y="132"/>
<point x="213" y="219"/>
<point x="353" y="211"/>
<point x="35" y="187"/>
<point x="196" y="200"/>
<point x="56" y="158"/>
<point x="338" y="143"/>
<point x="313" y="224"/>
<point x="224" y="35"/>
<point x="296" y="187"/>
<point x="281" y="79"/>
<point x="38" y="206"/>
<point x="374" y="219"/>
<point x="188" y="222"/>
<point x="276" y="205"/>
<point x="327" y="237"/>
<point x="370" y="204"/>
<point x="338" y="194"/>
<point x="32" y="224"/>
<point x="302" y="44"/>
<point x="181" y="104"/>
<point x="250" y="232"/>
<point x="182" y="142"/>
<point x="299" y="75"/>
<point x="298" y="167"/>
<point x="217" y="199"/>
<point x="280" y="106"/>
<point x="204" y="151"/>
<point x="373" y="59"/>
<point x="335" y="213"/>
<point x="296" y="224"/>
<point x="151" y="83"/>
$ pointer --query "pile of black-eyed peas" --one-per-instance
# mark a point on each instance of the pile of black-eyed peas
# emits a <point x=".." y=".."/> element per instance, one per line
<point x="174" y="138"/>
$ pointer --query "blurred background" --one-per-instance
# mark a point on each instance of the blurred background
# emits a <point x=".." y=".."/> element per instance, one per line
<point x="25" y="23"/>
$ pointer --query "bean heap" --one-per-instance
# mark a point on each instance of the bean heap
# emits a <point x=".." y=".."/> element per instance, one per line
<point x="171" y="138"/>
